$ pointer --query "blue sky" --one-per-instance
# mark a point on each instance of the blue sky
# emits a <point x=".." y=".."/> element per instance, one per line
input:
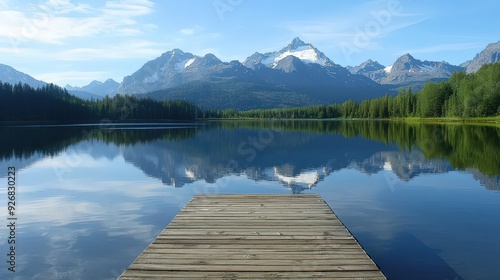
<point x="75" y="42"/>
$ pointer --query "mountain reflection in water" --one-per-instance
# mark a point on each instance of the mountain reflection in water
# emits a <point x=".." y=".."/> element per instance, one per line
<point x="300" y="154"/>
<point x="419" y="197"/>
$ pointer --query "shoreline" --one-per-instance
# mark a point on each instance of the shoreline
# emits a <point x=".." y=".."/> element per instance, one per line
<point x="483" y="120"/>
<point x="495" y="121"/>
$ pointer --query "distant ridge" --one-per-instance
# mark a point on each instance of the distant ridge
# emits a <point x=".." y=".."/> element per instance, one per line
<point x="96" y="88"/>
<point x="406" y="71"/>
<point x="12" y="76"/>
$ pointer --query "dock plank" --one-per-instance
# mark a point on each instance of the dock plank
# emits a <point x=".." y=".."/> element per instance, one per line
<point x="254" y="237"/>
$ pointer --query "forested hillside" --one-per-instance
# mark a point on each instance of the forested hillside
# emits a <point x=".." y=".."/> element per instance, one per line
<point x="51" y="103"/>
<point x="463" y="95"/>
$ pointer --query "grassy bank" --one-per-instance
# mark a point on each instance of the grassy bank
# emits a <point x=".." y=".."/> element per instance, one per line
<point x="488" y="120"/>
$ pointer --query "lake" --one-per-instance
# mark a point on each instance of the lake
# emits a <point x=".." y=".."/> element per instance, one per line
<point x="422" y="199"/>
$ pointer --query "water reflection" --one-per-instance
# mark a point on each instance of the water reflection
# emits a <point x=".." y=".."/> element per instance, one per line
<point x="296" y="153"/>
<point x="93" y="198"/>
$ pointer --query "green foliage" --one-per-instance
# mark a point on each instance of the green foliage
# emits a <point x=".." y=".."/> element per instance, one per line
<point x="464" y="96"/>
<point x="51" y="103"/>
<point x="51" y="140"/>
<point x="465" y="146"/>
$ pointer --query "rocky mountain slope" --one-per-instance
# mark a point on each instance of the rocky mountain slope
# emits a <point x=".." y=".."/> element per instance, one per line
<point x="12" y="76"/>
<point x="297" y="75"/>
<point x="406" y="71"/>
<point x="490" y="54"/>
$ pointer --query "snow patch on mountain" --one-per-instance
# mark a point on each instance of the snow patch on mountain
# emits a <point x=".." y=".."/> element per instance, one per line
<point x="189" y="62"/>
<point x="428" y="68"/>
<point x="305" y="53"/>
<point x="270" y="61"/>
<point x="181" y="65"/>
<point x="388" y="69"/>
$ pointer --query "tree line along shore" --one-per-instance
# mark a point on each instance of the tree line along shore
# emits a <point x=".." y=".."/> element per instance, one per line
<point x="464" y="97"/>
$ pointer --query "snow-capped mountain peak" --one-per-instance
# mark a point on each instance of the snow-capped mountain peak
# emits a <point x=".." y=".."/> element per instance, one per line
<point x="305" y="52"/>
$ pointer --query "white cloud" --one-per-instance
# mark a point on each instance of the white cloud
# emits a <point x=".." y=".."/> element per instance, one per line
<point x="24" y="52"/>
<point x="374" y="19"/>
<point x="129" y="49"/>
<point x="193" y="30"/>
<point x="187" y="31"/>
<point x="128" y="8"/>
<point x="60" y="7"/>
<point x="123" y="50"/>
<point x="76" y="76"/>
<point x="130" y="32"/>
<point x="57" y="20"/>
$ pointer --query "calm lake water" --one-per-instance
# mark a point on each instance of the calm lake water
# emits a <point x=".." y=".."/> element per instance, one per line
<point x="423" y="200"/>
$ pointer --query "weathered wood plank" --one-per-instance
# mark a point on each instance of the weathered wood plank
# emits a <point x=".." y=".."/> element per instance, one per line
<point x="261" y="241"/>
<point x="250" y="268"/>
<point x="243" y="256"/>
<point x="344" y="275"/>
<point x="254" y="237"/>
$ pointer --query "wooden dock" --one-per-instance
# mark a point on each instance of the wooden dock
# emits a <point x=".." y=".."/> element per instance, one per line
<point x="254" y="237"/>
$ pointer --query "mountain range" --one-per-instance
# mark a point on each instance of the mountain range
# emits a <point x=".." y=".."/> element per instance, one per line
<point x="406" y="71"/>
<point x="95" y="90"/>
<point x="297" y="75"/>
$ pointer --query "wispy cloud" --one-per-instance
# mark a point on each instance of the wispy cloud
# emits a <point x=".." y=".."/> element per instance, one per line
<point x="446" y="47"/>
<point x="363" y="24"/>
<point x="121" y="50"/>
<point x="347" y="28"/>
<point x="192" y="30"/>
<point x="187" y="31"/>
<point x="404" y="24"/>
<point x="54" y="21"/>
<point x="128" y="8"/>
<point x="75" y="76"/>
<point x="128" y="49"/>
